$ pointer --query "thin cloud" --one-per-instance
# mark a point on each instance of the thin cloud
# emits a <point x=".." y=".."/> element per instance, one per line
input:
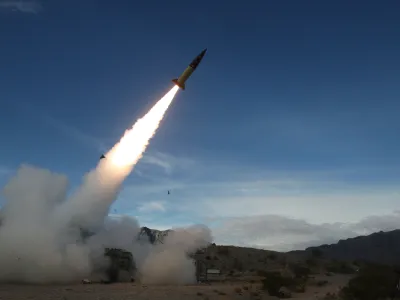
<point x="165" y="161"/>
<point x="75" y="133"/>
<point x="302" y="196"/>
<point x="281" y="233"/>
<point x="30" y="7"/>
<point x="152" y="206"/>
<point x="154" y="160"/>
<point x="321" y="206"/>
<point x="279" y="210"/>
<point x="64" y="128"/>
<point x="169" y="163"/>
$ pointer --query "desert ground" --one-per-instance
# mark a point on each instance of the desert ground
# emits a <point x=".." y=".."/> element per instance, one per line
<point x="124" y="291"/>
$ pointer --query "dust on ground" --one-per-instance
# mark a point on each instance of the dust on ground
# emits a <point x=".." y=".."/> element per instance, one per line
<point x="125" y="291"/>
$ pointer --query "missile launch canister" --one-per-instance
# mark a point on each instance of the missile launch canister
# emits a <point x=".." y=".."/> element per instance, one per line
<point x="189" y="70"/>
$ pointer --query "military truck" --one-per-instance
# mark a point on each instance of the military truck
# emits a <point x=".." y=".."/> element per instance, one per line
<point x="120" y="260"/>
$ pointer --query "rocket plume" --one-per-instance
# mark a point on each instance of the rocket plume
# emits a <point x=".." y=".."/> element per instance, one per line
<point x="132" y="145"/>
<point x="101" y="185"/>
<point x="40" y="227"/>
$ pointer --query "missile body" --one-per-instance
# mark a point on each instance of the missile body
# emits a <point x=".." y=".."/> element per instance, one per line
<point x="189" y="70"/>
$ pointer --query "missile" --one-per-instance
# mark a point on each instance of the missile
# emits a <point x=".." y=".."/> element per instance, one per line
<point x="189" y="70"/>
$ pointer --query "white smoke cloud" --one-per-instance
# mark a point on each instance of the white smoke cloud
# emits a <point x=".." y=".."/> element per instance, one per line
<point x="41" y="232"/>
<point x="169" y="263"/>
<point x="152" y="206"/>
<point x="34" y="247"/>
<point x="41" y="240"/>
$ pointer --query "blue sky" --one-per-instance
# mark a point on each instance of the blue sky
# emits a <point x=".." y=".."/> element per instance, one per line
<point x="291" y="117"/>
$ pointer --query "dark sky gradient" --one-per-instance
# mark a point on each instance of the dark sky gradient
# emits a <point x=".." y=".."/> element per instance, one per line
<point x="288" y="86"/>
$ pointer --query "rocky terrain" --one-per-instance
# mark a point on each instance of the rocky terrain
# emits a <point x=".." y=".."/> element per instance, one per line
<point x="247" y="273"/>
<point x="127" y="291"/>
<point x="379" y="247"/>
<point x="153" y="235"/>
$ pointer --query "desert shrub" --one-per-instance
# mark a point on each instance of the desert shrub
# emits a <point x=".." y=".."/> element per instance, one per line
<point x="316" y="253"/>
<point x="300" y="288"/>
<point x="300" y="271"/>
<point x="311" y="262"/>
<point x="283" y="261"/>
<point x="330" y="296"/>
<point x="238" y="265"/>
<point x="262" y="273"/>
<point x="221" y="293"/>
<point x="274" y="281"/>
<point x="372" y="282"/>
<point x="340" y="268"/>
<point x="223" y="251"/>
<point x="322" y="282"/>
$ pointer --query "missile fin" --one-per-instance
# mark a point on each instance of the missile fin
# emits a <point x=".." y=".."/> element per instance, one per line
<point x="181" y="85"/>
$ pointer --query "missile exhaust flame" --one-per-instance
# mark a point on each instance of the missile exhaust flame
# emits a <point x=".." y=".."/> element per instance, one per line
<point x="102" y="184"/>
<point x="132" y="145"/>
<point x="37" y="206"/>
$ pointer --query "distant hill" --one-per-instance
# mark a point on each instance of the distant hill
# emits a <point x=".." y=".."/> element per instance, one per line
<point x="155" y="236"/>
<point x="380" y="247"/>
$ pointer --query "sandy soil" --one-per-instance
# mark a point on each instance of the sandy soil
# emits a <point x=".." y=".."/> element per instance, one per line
<point x="335" y="283"/>
<point x="124" y="291"/>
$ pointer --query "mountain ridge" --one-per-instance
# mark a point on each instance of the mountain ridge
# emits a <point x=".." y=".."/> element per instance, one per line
<point x="155" y="236"/>
<point x="379" y="247"/>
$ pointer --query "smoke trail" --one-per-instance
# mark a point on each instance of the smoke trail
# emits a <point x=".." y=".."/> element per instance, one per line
<point x="40" y="234"/>
<point x="168" y="263"/>
<point x="133" y="144"/>
<point x="90" y="204"/>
